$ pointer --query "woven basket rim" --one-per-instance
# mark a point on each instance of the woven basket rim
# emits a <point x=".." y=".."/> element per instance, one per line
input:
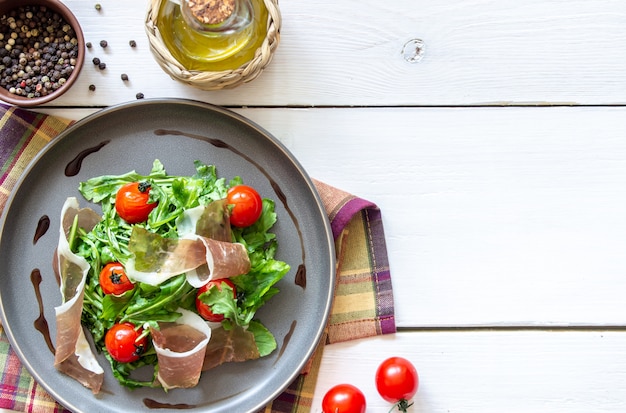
<point x="214" y="80"/>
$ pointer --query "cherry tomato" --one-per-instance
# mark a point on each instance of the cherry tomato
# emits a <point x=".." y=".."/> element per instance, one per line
<point x="344" y="398"/>
<point x="131" y="202"/>
<point x="113" y="279"/>
<point x="397" y="381"/>
<point x="125" y="343"/>
<point x="203" y="309"/>
<point x="247" y="205"/>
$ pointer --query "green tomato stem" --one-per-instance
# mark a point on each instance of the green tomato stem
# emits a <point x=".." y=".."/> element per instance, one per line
<point x="402" y="405"/>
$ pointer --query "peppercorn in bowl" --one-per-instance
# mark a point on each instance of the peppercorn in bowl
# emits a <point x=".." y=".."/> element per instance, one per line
<point x="42" y="49"/>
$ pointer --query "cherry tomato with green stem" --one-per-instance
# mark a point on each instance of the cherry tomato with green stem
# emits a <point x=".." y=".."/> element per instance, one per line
<point x="131" y="202"/>
<point x="247" y="205"/>
<point x="113" y="279"/>
<point x="125" y="343"/>
<point x="397" y="381"/>
<point x="344" y="398"/>
<point x="203" y="309"/>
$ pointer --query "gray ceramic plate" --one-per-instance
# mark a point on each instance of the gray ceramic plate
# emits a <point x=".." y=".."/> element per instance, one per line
<point x="129" y="138"/>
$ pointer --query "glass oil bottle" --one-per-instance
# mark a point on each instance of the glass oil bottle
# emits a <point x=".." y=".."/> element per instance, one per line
<point x="212" y="35"/>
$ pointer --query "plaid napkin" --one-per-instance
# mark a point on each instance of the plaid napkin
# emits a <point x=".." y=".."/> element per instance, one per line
<point x="362" y="307"/>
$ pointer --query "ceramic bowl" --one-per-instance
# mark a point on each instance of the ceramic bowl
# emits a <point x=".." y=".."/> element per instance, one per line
<point x="6" y="6"/>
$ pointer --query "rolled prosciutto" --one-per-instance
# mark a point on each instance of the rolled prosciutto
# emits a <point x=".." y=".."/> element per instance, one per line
<point x="203" y="251"/>
<point x="180" y="348"/>
<point x="73" y="355"/>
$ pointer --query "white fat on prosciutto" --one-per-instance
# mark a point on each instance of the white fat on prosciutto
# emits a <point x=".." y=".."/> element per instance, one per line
<point x="180" y="348"/>
<point x="210" y="221"/>
<point x="73" y="355"/>
<point x="203" y="251"/>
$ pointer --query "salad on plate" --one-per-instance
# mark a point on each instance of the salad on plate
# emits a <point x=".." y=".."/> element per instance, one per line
<point x="167" y="279"/>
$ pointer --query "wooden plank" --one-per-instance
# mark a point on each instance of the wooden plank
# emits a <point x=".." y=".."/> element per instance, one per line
<point x="493" y="216"/>
<point x="350" y="53"/>
<point x="487" y="371"/>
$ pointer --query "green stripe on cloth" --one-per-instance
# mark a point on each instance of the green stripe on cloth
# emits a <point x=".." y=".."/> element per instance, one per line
<point x="363" y="304"/>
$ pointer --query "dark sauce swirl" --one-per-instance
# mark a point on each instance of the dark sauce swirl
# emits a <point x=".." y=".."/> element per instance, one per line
<point x="286" y="340"/>
<point x="42" y="227"/>
<point x="73" y="167"/>
<point x="153" y="404"/>
<point x="41" y="324"/>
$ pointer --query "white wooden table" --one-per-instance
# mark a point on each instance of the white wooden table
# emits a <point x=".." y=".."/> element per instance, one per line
<point x="498" y="160"/>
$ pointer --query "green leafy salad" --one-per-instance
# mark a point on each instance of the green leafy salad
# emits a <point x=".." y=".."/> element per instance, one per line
<point x="129" y="244"/>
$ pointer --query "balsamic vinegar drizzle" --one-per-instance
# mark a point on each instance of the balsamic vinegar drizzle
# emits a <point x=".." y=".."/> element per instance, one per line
<point x="301" y="276"/>
<point x="218" y="143"/>
<point x="42" y="227"/>
<point x="41" y="324"/>
<point x="153" y="404"/>
<point x="73" y="167"/>
<point x="292" y="328"/>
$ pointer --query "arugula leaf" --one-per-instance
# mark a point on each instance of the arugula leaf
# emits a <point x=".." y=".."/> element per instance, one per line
<point x="113" y="306"/>
<point x="265" y="341"/>
<point x="161" y="304"/>
<point x="257" y="285"/>
<point x="123" y="371"/>
<point x="221" y="301"/>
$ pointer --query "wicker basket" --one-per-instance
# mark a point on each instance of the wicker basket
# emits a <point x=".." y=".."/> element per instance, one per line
<point x="208" y="80"/>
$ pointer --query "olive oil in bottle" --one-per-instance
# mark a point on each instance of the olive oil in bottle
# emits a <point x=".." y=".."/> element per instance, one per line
<point x="212" y="35"/>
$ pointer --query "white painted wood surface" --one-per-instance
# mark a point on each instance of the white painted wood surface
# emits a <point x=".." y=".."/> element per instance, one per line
<point x="349" y="53"/>
<point x="505" y="225"/>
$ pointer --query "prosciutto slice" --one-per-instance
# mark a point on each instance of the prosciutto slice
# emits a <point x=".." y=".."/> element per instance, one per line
<point x="203" y="251"/>
<point x="210" y="221"/>
<point x="237" y="344"/>
<point x="73" y="355"/>
<point x="180" y="348"/>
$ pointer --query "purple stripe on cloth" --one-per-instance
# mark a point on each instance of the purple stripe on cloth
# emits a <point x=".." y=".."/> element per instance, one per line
<point x="380" y="270"/>
<point x="346" y="213"/>
<point x="15" y="127"/>
<point x="18" y="128"/>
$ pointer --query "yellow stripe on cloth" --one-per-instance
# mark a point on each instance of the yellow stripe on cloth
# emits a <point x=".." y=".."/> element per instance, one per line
<point x="353" y="303"/>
